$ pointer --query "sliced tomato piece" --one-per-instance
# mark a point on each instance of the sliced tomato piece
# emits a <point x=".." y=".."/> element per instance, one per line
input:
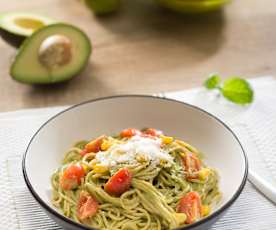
<point x="119" y="183"/>
<point x="190" y="204"/>
<point x="83" y="152"/>
<point x="130" y="132"/>
<point x="87" y="206"/>
<point x="153" y="132"/>
<point x="94" y="146"/>
<point x="71" y="177"/>
<point x="191" y="165"/>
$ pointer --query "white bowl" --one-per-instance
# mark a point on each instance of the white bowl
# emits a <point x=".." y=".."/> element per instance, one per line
<point x="110" y="115"/>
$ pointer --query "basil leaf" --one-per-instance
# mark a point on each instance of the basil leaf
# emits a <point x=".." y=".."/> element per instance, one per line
<point x="237" y="90"/>
<point x="212" y="82"/>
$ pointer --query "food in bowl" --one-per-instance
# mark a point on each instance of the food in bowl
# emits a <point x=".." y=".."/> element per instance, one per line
<point x="222" y="149"/>
<point x="138" y="179"/>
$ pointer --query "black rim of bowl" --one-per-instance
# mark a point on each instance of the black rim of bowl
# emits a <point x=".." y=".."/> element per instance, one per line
<point x="212" y="216"/>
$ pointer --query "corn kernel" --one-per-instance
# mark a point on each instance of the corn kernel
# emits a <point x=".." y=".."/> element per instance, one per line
<point x="205" y="210"/>
<point x="180" y="218"/>
<point x="204" y="173"/>
<point x="166" y="139"/>
<point x="93" y="162"/>
<point x="105" y="145"/>
<point x="85" y="167"/>
<point x="163" y="162"/>
<point x="100" y="169"/>
<point x="182" y="154"/>
<point x="141" y="158"/>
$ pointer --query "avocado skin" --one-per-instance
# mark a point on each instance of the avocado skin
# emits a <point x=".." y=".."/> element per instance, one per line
<point x="102" y="7"/>
<point x="191" y="6"/>
<point x="12" y="39"/>
<point x="62" y="78"/>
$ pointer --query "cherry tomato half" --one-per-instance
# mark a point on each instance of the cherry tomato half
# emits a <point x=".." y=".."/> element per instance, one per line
<point x="87" y="206"/>
<point x="153" y="132"/>
<point x="71" y="177"/>
<point x="190" y="204"/>
<point x="93" y="146"/>
<point x="119" y="183"/>
<point x="191" y="164"/>
<point x="130" y="132"/>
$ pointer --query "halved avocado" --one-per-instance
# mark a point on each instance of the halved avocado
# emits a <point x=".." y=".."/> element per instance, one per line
<point x="23" y="24"/>
<point x="54" y="53"/>
<point x="192" y="6"/>
<point x="101" y="7"/>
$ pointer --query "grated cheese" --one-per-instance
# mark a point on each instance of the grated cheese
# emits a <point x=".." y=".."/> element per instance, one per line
<point x="134" y="149"/>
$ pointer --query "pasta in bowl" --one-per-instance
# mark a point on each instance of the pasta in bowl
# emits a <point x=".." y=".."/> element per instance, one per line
<point x="135" y="178"/>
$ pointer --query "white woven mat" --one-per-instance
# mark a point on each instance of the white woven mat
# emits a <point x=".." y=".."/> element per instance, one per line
<point x="255" y="126"/>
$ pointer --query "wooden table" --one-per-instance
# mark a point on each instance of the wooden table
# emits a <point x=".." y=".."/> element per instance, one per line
<point x="143" y="49"/>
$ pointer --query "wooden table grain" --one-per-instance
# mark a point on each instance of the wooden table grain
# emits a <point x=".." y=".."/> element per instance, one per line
<point x="144" y="49"/>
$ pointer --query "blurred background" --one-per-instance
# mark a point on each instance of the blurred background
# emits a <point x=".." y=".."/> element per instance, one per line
<point x="144" y="48"/>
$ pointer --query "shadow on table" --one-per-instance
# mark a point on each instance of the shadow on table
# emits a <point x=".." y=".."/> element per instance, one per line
<point x="148" y="27"/>
<point x="142" y="19"/>
<point x="68" y="93"/>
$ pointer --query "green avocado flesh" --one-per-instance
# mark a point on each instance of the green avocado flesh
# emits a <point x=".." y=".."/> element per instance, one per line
<point x="23" y="24"/>
<point x="31" y="67"/>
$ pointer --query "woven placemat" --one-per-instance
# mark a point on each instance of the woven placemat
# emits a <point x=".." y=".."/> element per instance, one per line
<point x="255" y="126"/>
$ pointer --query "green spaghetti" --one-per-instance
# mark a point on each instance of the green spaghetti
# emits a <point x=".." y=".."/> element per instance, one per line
<point x="136" y="180"/>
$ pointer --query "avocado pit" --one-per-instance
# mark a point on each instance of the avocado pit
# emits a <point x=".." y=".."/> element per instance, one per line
<point x="55" y="51"/>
